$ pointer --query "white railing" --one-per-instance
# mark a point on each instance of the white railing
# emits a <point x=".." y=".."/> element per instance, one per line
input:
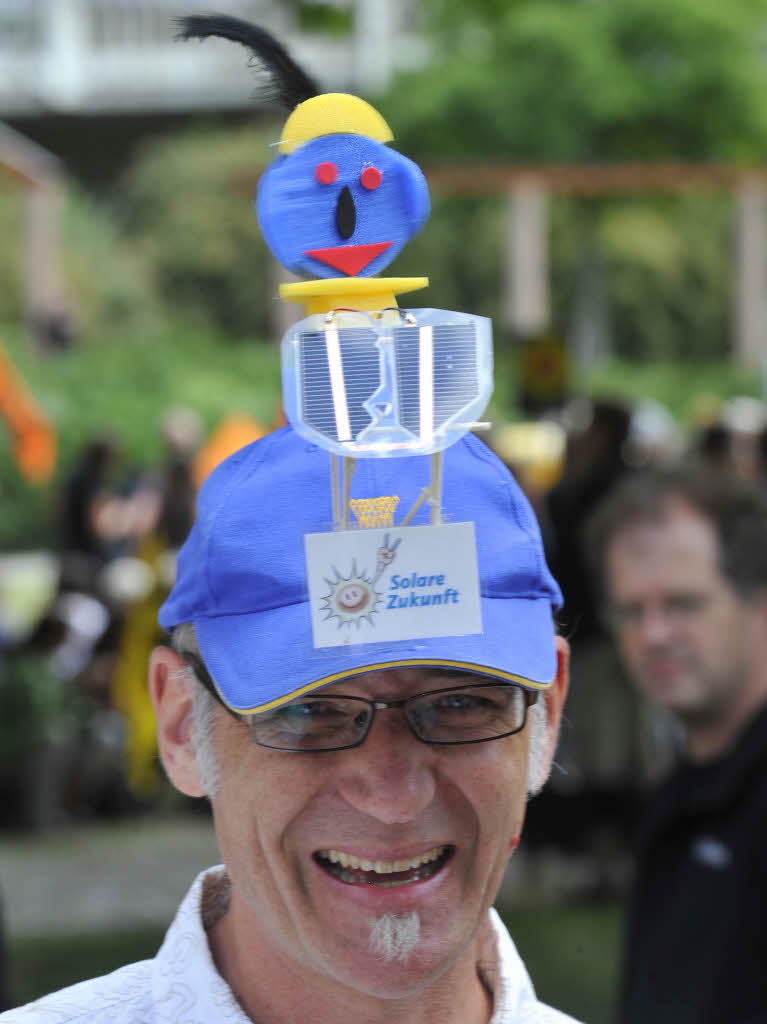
<point x="102" y="56"/>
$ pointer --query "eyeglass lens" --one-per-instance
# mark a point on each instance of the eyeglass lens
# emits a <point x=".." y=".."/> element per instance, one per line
<point x="470" y="714"/>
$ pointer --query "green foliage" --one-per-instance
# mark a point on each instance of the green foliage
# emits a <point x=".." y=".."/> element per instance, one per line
<point x="669" y="274"/>
<point x="685" y="388"/>
<point x="31" y="700"/>
<point x="173" y="266"/>
<point x="581" y="80"/>
<point x="666" y="266"/>
<point x="38" y="965"/>
<point x="595" y="80"/>
<point x="121" y="385"/>
<point x="11" y="220"/>
<point x="572" y="955"/>
<point x="324" y="17"/>
<point x="185" y="206"/>
<point x="459" y="250"/>
<point x="103" y="278"/>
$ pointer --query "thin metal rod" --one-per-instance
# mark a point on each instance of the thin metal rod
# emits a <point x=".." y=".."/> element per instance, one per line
<point x="334" y="491"/>
<point x="349" y="467"/>
<point x="416" y="505"/>
<point x="436" y="489"/>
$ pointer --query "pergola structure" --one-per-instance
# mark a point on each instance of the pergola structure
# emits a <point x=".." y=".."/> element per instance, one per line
<point x="526" y="262"/>
<point x="40" y="175"/>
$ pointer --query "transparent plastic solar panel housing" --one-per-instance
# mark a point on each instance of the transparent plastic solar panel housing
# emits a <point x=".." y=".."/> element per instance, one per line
<point x="398" y="382"/>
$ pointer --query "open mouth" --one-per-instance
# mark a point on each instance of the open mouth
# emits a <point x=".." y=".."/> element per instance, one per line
<point x="386" y="874"/>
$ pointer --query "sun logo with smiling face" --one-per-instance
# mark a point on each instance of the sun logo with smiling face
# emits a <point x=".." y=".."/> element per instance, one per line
<point x="351" y="598"/>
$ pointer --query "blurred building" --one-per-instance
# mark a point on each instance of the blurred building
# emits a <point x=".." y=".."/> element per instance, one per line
<point x="91" y="79"/>
<point x="119" y="56"/>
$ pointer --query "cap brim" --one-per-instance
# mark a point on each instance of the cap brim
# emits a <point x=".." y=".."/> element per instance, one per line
<point x="253" y="673"/>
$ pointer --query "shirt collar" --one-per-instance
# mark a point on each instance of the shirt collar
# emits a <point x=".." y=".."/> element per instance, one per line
<point x="186" y="984"/>
<point x="504" y="973"/>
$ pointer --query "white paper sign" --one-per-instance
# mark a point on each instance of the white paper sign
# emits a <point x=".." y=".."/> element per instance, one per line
<point x="398" y="583"/>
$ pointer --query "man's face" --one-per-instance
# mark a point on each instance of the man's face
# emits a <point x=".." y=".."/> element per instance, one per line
<point x="685" y="635"/>
<point x="278" y="814"/>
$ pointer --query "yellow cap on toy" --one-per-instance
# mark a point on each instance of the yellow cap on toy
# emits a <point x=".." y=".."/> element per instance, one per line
<point x="332" y="113"/>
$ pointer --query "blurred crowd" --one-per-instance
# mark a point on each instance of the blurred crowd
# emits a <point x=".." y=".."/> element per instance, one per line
<point x="76" y="722"/>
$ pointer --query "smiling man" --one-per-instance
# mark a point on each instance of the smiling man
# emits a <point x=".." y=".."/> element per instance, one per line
<point x="368" y="784"/>
<point x="684" y="566"/>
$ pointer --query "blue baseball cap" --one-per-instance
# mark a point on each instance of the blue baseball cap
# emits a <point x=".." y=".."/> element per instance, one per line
<point x="242" y="573"/>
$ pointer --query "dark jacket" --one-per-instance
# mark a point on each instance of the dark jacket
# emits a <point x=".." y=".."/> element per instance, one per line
<point x="697" y="929"/>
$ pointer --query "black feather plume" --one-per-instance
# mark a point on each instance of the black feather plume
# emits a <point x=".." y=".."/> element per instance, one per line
<point x="288" y="83"/>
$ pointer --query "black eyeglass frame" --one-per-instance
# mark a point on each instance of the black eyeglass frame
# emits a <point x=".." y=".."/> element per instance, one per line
<point x="529" y="696"/>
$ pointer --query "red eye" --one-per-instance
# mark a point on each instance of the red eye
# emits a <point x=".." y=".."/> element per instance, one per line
<point x="370" y="178"/>
<point x="326" y="173"/>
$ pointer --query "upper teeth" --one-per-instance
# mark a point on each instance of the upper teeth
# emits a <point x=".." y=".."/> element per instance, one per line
<point x="383" y="867"/>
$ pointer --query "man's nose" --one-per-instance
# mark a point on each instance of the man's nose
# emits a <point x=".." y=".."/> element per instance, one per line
<point x="391" y="775"/>
<point x="656" y="625"/>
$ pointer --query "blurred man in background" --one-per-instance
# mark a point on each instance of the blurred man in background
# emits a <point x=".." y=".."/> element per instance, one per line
<point x="683" y="562"/>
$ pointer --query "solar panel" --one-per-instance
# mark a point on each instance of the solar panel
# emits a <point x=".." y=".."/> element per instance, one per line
<point x="339" y="373"/>
<point x="436" y="375"/>
<point x="409" y="388"/>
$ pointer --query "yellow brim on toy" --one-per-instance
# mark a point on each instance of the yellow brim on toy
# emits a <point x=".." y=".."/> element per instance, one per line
<point x="332" y="113"/>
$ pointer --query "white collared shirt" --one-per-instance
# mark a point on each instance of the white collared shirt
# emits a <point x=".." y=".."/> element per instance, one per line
<point x="182" y="986"/>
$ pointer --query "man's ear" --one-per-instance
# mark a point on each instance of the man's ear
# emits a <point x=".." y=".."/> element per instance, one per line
<point x="172" y="702"/>
<point x="555" y="700"/>
<point x="761" y="601"/>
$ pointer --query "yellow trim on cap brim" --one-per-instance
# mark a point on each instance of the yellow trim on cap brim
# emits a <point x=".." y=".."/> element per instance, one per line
<point x="508" y="677"/>
<point x="332" y="113"/>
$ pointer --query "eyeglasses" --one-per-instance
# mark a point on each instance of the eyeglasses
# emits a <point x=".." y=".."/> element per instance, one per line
<point x="473" y="713"/>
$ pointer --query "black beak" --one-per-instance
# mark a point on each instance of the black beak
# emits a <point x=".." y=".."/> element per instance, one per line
<point x="346" y="214"/>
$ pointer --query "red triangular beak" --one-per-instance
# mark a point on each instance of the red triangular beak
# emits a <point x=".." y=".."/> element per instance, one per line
<point x="349" y="259"/>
